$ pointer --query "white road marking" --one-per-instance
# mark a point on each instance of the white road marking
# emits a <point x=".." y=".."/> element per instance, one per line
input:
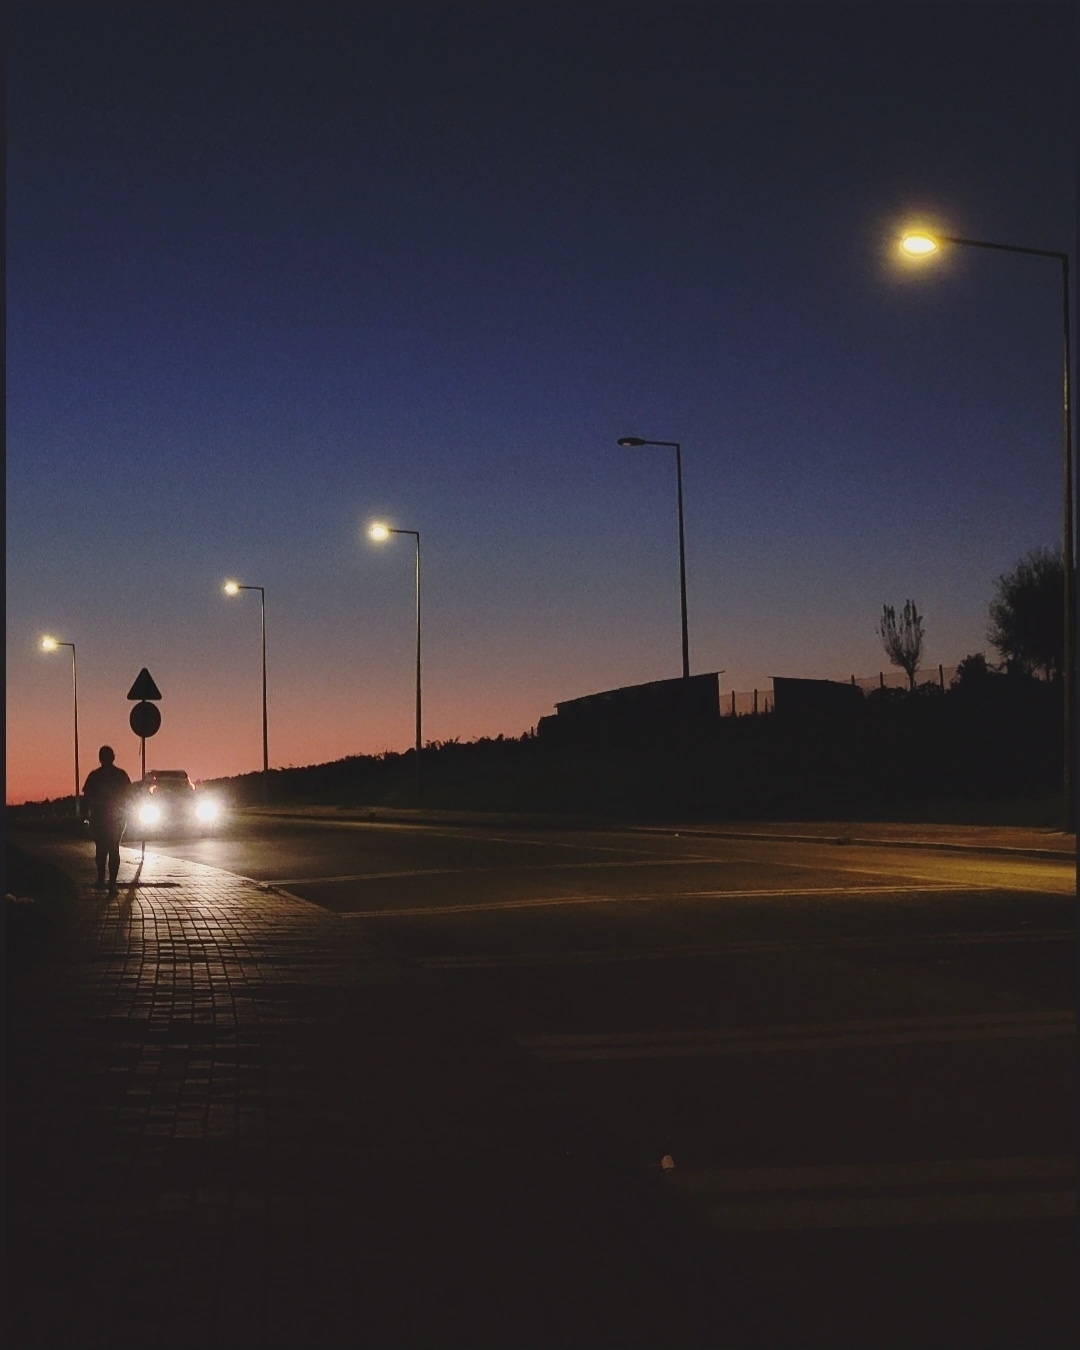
<point x="537" y="838"/>
<point x="966" y="1190"/>
<point x="802" y="1038"/>
<point x="750" y="947"/>
<point x="484" y="906"/>
<point x="502" y="867"/>
<point x="487" y="906"/>
<point x="851" y="1176"/>
<point x="544" y="842"/>
<point x="365" y="876"/>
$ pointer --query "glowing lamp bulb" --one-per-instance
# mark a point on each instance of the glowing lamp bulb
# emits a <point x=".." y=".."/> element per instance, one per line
<point x="918" y="245"/>
<point x="231" y="588"/>
<point x="49" y="644"/>
<point x="379" y="532"/>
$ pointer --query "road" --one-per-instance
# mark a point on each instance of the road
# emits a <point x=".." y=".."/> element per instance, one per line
<point x="851" y="1070"/>
<point x="854" y="1057"/>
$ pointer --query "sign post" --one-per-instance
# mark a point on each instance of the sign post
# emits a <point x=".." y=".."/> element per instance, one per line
<point x="145" y="719"/>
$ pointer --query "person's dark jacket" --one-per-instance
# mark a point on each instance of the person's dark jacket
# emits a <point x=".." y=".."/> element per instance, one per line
<point x="105" y="798"/>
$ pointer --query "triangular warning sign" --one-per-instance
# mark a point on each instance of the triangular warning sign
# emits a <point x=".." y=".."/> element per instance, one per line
<point x="144" y="687"/>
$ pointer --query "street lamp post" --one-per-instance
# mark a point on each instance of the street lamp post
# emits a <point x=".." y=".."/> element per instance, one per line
<point x="50" y="644"/>
<point x="234" y="588"/>
<point x="636" y="440"/>
<point x="920" y="244"/>
<point x="380" y="533"/>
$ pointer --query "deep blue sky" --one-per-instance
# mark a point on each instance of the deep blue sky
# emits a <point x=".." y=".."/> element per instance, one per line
<point x="274" y="271"/>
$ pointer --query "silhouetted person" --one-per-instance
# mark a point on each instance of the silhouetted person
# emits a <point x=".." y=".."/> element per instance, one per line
<point x="105" y="799"/>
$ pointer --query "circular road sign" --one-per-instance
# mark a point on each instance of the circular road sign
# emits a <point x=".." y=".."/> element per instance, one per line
<point x="145" y="719"/>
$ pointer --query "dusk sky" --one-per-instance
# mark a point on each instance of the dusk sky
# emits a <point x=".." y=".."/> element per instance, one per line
<point x="275" y="271"/>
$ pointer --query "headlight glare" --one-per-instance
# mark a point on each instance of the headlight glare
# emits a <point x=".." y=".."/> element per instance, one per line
<point x="206" y="810"/>
<point x="149" y="813"/>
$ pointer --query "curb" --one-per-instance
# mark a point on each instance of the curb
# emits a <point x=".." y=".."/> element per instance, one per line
<point x="379" y="816"/>
<point x="1010" y="850"/>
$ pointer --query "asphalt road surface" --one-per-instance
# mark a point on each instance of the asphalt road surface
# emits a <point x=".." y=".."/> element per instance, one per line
<point x="855" y="1063"/>
<point x="853" y="1069"/>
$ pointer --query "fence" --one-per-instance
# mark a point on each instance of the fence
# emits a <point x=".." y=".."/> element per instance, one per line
<point x="746" y="703"/>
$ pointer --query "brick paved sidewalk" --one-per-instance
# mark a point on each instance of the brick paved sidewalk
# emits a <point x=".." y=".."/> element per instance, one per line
<point x="233" y="1122"/>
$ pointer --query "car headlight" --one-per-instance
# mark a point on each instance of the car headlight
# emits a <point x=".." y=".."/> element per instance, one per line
<point x="149" y="813"/>
<point x="206" y="810"/>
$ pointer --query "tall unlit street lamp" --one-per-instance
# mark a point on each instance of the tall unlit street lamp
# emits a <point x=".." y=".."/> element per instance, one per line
<point x="50" y="644"/>
<point x="922" y="244"/>
<point x="380" y="533"/>
<point x="234" y="588"/>
<point x="674" y="445"/>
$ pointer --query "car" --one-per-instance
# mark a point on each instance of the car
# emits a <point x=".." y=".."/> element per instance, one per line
<point x="167" y="801"/>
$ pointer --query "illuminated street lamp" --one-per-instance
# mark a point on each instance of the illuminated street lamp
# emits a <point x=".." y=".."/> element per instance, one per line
<point x="234" y="588"/>
<point x="916" y="244"/>
<point x="636" y="440"/>
<point x="920" y="244"/>
<point x="50" y="644"/>
<point x="380" y="533"/>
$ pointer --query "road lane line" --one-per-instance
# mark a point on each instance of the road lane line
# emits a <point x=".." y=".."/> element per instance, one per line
<point x="852" y="1041"/>
<point x="507" y="867"/>
<point x="912" y="879"/>
<point x="1063" y="883"/>
<point x="949" y="883"/>
<point x="795" y="1028"/>
<point x="966" y="1190"/>
<point x="365" y="876"/>
<point x="753" y="845"/>
<point x="489" y="906"/>
<point x="749" y="947"/>
<point x="801" y="1038"/>
<point x="851" y="1176"/>
<point x="891" y="1211"/>
<point x="537" y="839"/>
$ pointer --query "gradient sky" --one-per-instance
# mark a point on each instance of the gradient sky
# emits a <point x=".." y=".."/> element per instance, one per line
<point x="276" y="271"/>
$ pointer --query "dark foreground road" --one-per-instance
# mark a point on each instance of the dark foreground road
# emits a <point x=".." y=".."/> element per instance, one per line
<point x="444" y="1086"/>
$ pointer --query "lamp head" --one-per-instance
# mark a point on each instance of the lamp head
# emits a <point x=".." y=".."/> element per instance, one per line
<point x="919" y="244"/>
<point x="631" y="440"/>
<point x="379" y="532"/>
<point x="49" y="644"/>
<point x="231" y="588"/>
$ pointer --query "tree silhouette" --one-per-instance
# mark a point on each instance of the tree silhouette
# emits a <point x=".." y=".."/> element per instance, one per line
<point x="1027" y="615"/>
<point x="972" y="673"/>
<point x="903" y="638"/>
